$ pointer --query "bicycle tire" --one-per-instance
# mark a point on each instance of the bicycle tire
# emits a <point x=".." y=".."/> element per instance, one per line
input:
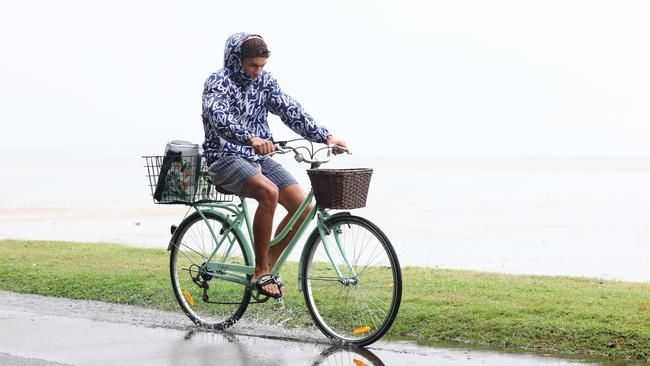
<point x="191" y="246"/>
<point x="362" y="311"/>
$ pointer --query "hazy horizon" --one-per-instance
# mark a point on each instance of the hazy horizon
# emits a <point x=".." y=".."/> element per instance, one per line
<point x="468" y="78"/>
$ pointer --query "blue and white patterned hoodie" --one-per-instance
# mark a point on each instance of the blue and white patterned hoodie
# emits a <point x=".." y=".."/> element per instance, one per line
<point x="235" y="108"/>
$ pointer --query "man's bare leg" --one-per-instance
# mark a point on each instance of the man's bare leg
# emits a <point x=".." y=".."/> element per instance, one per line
<point x="291" y="198"/>
<point x="266" y="194"/>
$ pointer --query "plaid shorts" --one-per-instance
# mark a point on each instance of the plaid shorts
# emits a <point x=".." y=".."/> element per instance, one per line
<point x="233" y="172"/>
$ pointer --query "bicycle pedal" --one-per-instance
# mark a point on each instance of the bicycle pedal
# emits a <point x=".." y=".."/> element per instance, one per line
<point x="259" y="298"/>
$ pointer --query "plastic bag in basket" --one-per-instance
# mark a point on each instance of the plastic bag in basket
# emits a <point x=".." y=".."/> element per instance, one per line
<point x="179" y="173"/>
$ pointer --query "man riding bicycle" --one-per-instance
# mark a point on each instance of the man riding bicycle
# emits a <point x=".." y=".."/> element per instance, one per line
<point x="236" y="102"/>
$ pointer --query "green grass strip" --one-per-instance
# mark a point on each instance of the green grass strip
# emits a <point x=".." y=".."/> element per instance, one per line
<point x="549" y="313"/>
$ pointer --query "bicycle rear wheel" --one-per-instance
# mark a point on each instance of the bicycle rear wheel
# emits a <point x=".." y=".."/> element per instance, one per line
<point x="193" y="244"/>
<point x="360" y="308"/>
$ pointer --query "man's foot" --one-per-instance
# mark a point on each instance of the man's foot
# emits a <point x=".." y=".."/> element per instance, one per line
<point x="269" y="285"/>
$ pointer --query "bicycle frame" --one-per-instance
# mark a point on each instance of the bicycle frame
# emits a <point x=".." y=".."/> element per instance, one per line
<point x="238" y="273"/>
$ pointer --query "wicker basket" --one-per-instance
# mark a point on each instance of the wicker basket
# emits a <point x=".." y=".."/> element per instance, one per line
<point x="340" y="188"/>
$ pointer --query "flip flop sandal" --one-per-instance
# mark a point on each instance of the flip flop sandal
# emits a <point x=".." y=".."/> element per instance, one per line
<point x="266" y="280"/>
<point x="279" y="282"/>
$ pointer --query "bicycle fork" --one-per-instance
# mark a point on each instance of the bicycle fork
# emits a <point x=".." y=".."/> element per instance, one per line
<point x="331" y="251"/>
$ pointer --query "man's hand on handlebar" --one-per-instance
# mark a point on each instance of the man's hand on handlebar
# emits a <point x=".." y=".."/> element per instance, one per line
<point x="331" y="140"/>
<point x="262" y="147"/>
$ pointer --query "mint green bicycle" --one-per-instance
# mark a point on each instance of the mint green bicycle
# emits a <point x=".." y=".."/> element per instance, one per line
<point x="348" y="270"/>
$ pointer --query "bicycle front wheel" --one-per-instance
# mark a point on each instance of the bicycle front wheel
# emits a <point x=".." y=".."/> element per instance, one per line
<point x="208" y="301"/>
<point x="352" y="281"/>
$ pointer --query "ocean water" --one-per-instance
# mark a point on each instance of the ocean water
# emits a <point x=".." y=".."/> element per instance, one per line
<point x="580" y="217"/>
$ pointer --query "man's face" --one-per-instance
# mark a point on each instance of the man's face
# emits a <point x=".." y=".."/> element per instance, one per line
<point x="254" y="66"/>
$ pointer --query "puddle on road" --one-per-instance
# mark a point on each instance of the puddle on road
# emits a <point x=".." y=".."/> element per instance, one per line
<point x="263" y="344"/>
<point x="96" y="333"/>
<point x="451" y="353"/>
<point x="394" y="352"/>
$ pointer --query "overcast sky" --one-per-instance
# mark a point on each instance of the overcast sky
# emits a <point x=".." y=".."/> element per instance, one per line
<point x="446" y="78"/>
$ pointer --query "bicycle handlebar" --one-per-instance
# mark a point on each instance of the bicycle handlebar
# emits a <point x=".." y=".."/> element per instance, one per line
<point x="282" y="148"/>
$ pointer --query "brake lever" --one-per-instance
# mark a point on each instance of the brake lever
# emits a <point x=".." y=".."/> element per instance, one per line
<point x="278" y="150"/>
<point x="336" y="149"/>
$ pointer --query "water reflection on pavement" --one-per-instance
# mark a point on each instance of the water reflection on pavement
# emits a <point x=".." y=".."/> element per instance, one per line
<point x="38" y="330"/>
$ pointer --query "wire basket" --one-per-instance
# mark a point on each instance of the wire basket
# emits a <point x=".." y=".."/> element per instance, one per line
<point x="181" y="179"/>
<point x="340" y="188"/>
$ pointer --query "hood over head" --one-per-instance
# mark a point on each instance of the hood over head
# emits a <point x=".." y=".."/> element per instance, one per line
<point x="232" y="59"/>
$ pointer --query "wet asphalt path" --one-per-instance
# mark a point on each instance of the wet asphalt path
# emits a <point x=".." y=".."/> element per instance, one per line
<point x="38" y="330"/>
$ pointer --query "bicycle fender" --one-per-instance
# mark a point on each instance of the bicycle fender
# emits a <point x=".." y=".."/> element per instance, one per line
<point x="222" y="215"/>
<point x="314" y="234"/>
